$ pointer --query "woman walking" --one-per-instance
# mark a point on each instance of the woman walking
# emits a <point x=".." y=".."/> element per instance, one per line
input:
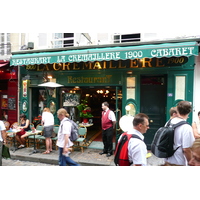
<point x="48" y="122"/>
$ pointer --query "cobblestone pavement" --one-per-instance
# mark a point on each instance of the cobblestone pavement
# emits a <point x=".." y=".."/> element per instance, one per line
<point x="11" y="162"/>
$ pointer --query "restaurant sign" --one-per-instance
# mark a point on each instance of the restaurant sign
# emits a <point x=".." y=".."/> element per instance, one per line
<point x="106" y="54"/>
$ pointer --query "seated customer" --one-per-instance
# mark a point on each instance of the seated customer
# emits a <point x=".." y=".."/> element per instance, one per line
<point x="24" y="126"/>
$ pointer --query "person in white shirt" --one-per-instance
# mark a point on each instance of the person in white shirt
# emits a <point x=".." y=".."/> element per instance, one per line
<point x="2" y="139"/>
<point x="48" y="122"/>
<point x="137" y="149"/>
<point x="183" y="137"/>
<point x="64" y="143"/>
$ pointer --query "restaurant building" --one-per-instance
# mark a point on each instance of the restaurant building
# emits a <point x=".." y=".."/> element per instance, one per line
<point x="8" y="92"/>
<point x="150" y="78"/>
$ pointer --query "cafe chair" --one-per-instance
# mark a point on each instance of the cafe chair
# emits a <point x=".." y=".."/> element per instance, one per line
<point x="54" y="139"/>
<point x="39" y="127"/>
<point x="81" y="139"/>
<point x="10" y="138"/>
<point x="7" y="125"/>
<point x="14" y="125"/>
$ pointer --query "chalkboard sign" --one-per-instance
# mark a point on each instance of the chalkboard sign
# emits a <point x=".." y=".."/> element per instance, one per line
<point x="11" y="103"/>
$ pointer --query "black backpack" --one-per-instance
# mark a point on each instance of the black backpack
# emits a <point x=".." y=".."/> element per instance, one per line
<point x="163" y="142"/>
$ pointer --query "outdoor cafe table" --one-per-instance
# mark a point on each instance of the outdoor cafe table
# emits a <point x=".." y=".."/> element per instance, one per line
<point x="12" y="133"/>
<point x="28" y="133"/>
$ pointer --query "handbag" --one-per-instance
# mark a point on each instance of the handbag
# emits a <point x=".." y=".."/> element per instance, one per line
<point x="5" y="152"/>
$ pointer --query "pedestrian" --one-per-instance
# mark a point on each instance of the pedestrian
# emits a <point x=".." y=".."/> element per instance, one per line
<point x="183" y="137"/>
<point x="108" y="122"/>
<point x="64" y="143"/>
<point x="173" y="112"/>
<point x="195" y="160"/>
<point x="196" y="127"/>
<point x="24" y="126"/>
<point x="48" y="123"/>
<point x="137" y="149"/>
<point x="2" y="139"/>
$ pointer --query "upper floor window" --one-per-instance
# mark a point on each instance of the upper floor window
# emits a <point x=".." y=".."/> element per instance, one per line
<point x="133" y="37"/>
<point x="5" y="46"/>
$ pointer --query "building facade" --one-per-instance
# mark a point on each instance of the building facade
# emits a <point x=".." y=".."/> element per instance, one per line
<point x="150" y="77"/>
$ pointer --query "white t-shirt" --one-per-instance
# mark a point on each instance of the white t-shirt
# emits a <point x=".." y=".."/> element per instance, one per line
<point x="2" y="128"/>
<point x="183" y="138"/>
<point x="47" y="119"/>
<point x="64" y="128"/>
<point x="137" y="149"/>
<point x="111" y="115"/>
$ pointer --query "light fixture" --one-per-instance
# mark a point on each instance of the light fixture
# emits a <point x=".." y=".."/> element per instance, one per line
<point x="50" y="84"/>
<point x="49" y="77"/>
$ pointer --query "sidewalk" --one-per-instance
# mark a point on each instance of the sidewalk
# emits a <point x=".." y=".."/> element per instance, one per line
<point x="90" y="157"/>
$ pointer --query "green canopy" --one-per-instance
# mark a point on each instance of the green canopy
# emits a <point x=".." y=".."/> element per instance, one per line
<point x="106" y="54"/>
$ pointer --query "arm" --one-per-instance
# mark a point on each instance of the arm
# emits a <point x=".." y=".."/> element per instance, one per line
<point x="3" y="133"/>
<point x="195" y="132"/>
<point x="114" y="123"/>
<point x="187" y="153"/>
<point x="65" y="149"/>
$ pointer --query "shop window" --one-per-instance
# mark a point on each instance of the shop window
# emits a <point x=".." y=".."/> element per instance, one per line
<point x="130" y="88"/>
<point x="180" y="87"/>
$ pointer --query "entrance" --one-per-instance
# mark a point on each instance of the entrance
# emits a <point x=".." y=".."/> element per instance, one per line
<point x="94" y="96"/>
<point x="153" y="103"/>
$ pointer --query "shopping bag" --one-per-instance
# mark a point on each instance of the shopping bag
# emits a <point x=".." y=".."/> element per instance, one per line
<point x="5" y="152"/>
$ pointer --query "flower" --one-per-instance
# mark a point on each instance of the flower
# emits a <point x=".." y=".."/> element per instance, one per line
<point x="84" y="109"/>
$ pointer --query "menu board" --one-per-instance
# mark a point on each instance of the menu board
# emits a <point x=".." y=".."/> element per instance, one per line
<point x="11" y="103"/>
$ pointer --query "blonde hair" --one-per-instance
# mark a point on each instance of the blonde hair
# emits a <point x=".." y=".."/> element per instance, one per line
<point x="63" y="112"/>
<point x="46" y="110"/>
<point x="196" y="144"/>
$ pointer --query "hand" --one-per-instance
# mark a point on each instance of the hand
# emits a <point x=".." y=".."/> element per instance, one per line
<point x="65" y="150"/>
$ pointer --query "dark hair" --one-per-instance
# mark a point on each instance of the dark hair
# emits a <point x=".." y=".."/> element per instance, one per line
<point x="139" y="119"/>
<point x="198" y="113"/>
<point x="22" y="116"/>
<point x="184" y="107"/>
<point x="106" y="103"/>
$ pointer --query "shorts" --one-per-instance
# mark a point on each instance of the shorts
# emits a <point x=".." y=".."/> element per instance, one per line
<point x="48" y="130"/>
<point x="22" y="132"/>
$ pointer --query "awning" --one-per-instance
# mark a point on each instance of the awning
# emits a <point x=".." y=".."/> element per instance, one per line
<point x="2" y="64"/>
<point x="106" y="54"/>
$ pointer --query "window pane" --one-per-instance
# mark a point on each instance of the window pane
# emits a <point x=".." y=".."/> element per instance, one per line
<point x="130" y="88"/>
<point x="180" y="87"/>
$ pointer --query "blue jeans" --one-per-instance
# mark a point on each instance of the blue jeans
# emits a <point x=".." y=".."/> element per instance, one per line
<point x="65" y="160"/>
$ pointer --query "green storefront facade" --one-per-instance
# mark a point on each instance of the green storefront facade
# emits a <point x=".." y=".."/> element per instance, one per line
<point x="150" y="78"/>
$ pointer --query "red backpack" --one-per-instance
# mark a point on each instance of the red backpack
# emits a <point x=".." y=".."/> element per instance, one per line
<point x="121" y="152"/>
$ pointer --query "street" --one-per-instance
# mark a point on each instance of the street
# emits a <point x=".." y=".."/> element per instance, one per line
<point x="11" y="162"/>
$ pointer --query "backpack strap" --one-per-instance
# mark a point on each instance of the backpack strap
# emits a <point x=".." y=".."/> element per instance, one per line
<point x="179" y="124"/>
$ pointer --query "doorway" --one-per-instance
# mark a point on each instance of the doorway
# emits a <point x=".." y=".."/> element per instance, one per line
<point x="95" y="96"/>
<point x="153" y="99"/>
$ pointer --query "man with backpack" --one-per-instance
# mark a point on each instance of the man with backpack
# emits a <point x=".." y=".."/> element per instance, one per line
<point x="134" y="147"/>
<point x="183" y="137"/>
<point x="64" y="143"/>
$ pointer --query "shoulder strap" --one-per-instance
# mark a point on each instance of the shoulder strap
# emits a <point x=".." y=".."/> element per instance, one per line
<point x="179" y="124"/>
<point x="136" y="136"/>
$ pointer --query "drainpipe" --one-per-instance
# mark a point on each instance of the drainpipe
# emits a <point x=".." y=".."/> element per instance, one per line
<point x="18" y="89"/>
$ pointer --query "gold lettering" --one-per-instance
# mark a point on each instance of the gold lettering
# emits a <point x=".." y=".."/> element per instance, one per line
<point x="120" y="64"/>
<point x="110" y="66"/>
<point x="159" y="63"/>
<point x="75" y="66"/>
<point x="104" y="64"/>
<point x="40" y="68"/>
<point x="134" y="63"/>
<point x="146" y="61"/>
<point x="66" y="65"/>
<point x="54" y="66"/>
